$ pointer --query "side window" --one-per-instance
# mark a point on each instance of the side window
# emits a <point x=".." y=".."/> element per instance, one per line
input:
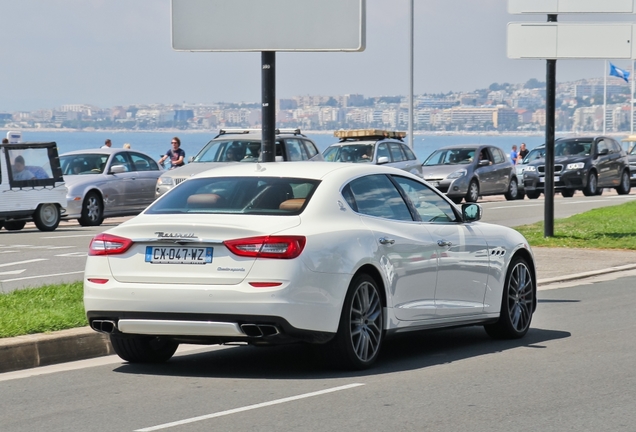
<point x="278" y="155"/>
<point x="396" y="152"/>
<point x="600" y="146"/>
<point x="376" y="195"/>
<point x="295" y="150"/>
<point x="614" y="146"/>
<point x="121" y="159"/>
<point x="498" y="155"/>
<point x="383" y="151"/>
<point x="143" y="162"/>
<point x="310" y="148"/>
<point x="429" y="205"/>
<point x="407" y="151"/>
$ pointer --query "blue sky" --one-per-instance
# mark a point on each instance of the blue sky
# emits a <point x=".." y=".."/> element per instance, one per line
<point x="118" y="52"/>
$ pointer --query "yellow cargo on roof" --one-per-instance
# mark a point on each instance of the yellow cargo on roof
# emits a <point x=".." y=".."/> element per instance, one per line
<point x="368" y="133"/>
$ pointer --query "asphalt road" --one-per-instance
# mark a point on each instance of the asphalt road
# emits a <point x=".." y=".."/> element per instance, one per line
<point x="31" y="258"/>
<point x="572" y="371"/>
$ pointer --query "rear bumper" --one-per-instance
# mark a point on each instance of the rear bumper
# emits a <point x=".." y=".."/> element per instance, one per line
<point x="206" y="328"/>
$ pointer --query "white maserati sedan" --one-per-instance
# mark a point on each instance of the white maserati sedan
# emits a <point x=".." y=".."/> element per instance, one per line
<point x="343" y="255"/>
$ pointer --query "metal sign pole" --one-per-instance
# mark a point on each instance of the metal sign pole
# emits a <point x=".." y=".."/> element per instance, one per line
<point x="268" y="93"/>
<point x="550" y="108"/>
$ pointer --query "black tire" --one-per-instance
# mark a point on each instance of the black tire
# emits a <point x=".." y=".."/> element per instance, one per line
<point x="567" y="193"/>
<point x="92" y="210"/>
<point x="473" y="192"/>
<point x="533" y="194"/>
<point x="47" y="217"/>
<point x="143" y="349"/>
<point x="361" y="329"/>
<point x="513" y="190"/>
<point x="521" y="195"/>
<point x="456" y="200"/>
<point x="599" y="191"/>
<point x="14" y="225"/>
<point x="517" y="303"/>
<point x="591" y="188"/>
<point x="625" y="186"/>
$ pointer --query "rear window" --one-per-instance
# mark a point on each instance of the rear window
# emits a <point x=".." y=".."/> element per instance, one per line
<point x="238" y="195"/>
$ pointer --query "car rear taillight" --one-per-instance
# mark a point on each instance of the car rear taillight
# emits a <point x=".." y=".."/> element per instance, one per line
<point x="281" y="247"/>
<point x="108" y="244"/>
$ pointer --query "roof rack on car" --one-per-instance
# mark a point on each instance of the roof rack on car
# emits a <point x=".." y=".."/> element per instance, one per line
<point x="293" y="131"/>
<point x="360" y="134"/>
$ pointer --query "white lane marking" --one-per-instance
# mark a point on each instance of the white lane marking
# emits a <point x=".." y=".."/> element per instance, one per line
<point x="516" y="206"/>
<point x="41" y="276"/>
<point x="23" y="262"/>
<point x="73" y="254"/>
<point x="249" y="407"/>
<point x="12" y="272"/>
<point x="13" y="246"/>
<point x="8" y="251"/>
<point x="70" y="236"/>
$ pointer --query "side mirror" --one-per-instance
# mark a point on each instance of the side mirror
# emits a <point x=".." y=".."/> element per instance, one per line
<point x="382" y="160"/>
<point x="191" y="159"/>
<point x="603" y="152"/>
<point x="483" y="162"/>
<point x="471" y="212"/>
<point x="117" y="169"/>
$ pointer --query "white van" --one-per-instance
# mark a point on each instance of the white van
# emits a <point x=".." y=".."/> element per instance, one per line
<point x="31" y="186"/>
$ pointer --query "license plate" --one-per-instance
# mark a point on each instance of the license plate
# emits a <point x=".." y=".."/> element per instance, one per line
<point x="178" y="255"/>
<point x="556" y="179"/>
<point x="434" y="183"/>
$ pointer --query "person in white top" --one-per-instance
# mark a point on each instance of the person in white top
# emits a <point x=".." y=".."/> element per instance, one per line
<point x="107" y="144"/>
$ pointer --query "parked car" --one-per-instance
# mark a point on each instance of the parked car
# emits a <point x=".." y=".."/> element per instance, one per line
<point x="240" y="145"/>
<point x="373" y="146"/>
<point x="108" y="182"/>
<point x="470" y="171"/>
<point x="31" y="186"/>
<point x="535" y="153"/>
<point x="585" y="163"/>
<point x="632" y="165"/>
<point x="325" y="253"/>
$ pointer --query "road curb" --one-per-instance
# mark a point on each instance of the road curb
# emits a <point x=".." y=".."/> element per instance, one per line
<point x="24" y="352"/>
<point x="583" y="275"/>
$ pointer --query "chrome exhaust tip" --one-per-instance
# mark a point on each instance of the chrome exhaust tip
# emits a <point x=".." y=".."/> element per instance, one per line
<point x="104" y="326"/>
<point x="259" y="330"/>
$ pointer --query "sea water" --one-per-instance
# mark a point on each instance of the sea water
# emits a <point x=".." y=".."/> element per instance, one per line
<point x="157" y="144"/>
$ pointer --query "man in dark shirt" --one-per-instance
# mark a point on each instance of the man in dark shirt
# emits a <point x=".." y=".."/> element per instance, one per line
<point x="523" y="151"/>
<point x="175" y="154"/>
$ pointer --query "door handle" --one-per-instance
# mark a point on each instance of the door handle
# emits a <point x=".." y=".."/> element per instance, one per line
<point x="384" y="240"/>
<point x="444" y="243"/>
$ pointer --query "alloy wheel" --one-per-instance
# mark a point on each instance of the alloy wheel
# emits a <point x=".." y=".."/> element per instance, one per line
<point x="365" y="318"/>
<point x="520" y="297"/>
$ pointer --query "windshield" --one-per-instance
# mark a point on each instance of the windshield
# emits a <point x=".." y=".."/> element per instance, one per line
<point x="455" y="156"/>
<point x="349" y="153"/>
<point x="83" y="164"/>
<point x="230" y="151"/>
<point x="237" y="195"/>
<point x="536" y="153"/>
<point x="572" y="148"/>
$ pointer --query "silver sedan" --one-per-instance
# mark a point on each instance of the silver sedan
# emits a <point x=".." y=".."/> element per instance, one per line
<point x="108" y="182"/>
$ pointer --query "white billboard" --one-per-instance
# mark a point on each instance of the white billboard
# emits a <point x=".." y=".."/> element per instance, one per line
<point x="268" y="25"/>
<point x="571" y="41"/>
<point x="570" y="6"/>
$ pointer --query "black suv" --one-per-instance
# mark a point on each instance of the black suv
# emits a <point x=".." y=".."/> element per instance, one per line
<point x="588" y="164"/>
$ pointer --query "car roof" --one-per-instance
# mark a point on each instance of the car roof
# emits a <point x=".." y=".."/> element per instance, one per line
<point x="257" y="134"/>
<point x="307" y="170"/>
<point x="468" y="146"/>
<point x="105" y="151"/>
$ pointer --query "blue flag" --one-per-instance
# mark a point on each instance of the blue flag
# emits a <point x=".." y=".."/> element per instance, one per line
<point x="618" y="72"/>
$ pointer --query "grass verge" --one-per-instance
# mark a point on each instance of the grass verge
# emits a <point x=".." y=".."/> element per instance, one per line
<point x="603" y="228"/>
<point x="43" y="309"/>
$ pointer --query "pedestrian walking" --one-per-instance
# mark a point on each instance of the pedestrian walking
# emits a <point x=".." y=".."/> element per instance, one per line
<point x="513" y="154"/>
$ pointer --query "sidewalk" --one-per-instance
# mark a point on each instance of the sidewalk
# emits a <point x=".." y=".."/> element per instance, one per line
<point x="553" y="265"/>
